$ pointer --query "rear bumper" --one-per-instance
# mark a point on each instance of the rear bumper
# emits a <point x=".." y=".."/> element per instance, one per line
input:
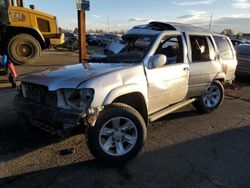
<point x="51" y="119"/>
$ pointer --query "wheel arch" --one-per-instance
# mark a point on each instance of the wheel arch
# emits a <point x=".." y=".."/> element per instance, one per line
<point x="134" y="95"/>
<point x="136" y="101"/>
<point x="221" y="78"/>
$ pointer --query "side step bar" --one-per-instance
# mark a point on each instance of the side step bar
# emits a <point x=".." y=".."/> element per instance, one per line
<point x="169" y="110"/>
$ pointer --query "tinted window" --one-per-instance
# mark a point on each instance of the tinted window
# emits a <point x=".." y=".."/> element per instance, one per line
<point x="224" y="47"/>
<point x="172" y="47"/>
<point x="202" y="48"/>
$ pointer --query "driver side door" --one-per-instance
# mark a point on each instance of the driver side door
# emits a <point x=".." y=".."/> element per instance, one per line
<point x="169" y="84"/>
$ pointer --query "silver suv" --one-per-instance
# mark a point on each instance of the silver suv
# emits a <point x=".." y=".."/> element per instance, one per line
<point x="161" y="68"/>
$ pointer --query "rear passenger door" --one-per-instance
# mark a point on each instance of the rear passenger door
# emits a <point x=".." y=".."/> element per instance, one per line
<point x="227" y="55"/>
<point x="204" y="64"/>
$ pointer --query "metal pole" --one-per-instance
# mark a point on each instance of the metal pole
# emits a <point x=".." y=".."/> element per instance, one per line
<point x="82" y="36"/>
<point x="210" y="23"/>
<point x="108" y="24"/>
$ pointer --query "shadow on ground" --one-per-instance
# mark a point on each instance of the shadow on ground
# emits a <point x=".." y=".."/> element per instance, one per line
<point x="242" y="80"/>
<point x="14" y="140"/>
<point x="218" y="160"/>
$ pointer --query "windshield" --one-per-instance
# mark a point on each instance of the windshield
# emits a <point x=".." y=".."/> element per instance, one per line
<point x="134" y="49"/>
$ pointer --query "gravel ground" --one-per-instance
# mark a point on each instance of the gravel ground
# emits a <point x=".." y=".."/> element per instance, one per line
<point x="183" y="149"/>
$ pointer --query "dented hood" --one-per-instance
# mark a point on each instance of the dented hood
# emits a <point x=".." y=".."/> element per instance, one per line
<point x="70" y="76"/>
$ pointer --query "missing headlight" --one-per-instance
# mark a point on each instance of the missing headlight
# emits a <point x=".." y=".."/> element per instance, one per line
<point x="75" y="99"/>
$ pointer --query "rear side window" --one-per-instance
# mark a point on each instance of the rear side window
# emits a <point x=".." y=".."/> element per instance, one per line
<point x="202" y="48"/>
<point x="224" y="47"/>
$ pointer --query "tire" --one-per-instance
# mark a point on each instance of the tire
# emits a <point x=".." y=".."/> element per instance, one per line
<point x="24" y="49"/>
<point x="211" y="99"/>
<point x="113" y="143"/>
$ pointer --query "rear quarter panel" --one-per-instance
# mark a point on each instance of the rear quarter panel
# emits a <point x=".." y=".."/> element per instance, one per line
<point x="230" y="64"/>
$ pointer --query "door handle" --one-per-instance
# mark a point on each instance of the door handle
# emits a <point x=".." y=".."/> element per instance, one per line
<point x="186" y="68"/>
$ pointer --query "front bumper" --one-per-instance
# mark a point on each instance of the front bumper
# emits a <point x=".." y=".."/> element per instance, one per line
<point x="51" y="119"/>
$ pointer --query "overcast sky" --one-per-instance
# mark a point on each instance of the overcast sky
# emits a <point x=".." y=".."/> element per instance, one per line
<point x="123" y="14"/>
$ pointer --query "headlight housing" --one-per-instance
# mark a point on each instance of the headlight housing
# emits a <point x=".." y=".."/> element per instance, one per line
<point x="77" y="99"/>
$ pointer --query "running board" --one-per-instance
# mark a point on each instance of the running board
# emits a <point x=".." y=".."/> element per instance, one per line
<point x="169" y="110"/>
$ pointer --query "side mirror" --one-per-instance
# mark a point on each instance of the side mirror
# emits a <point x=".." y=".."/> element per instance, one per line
<point x="157" y="61"/>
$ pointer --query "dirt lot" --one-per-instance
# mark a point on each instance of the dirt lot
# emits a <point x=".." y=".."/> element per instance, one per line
<point x="184" y="149"/>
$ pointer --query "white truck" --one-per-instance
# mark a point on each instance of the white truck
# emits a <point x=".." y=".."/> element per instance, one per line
<point x="162" y="67"/>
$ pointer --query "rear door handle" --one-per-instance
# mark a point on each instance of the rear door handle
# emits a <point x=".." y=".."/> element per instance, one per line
<point x="186" y="68"/>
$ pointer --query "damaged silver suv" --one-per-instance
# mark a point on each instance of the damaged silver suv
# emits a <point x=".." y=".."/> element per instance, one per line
<point x="160" y="68"/>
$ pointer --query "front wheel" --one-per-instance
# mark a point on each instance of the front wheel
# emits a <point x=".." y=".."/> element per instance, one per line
<point x="118" y="135"/>
<point x="211" y="99"/>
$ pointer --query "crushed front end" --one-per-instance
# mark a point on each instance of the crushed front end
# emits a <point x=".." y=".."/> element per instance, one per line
<point x="58" y="111"/>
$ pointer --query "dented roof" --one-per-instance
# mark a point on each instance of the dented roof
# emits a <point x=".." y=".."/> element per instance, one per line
<point x="154" y="28"/>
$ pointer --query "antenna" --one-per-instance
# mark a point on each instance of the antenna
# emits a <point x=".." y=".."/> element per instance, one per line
<point x="210" y="24"/>
<point x="108" y="24"/>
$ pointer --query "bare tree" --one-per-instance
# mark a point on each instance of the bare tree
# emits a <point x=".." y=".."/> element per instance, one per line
<point x="227" y="32"/>
<point x="75" y="30"/>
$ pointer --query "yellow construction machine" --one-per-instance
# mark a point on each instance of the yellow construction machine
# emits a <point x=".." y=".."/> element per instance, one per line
<point x="25" y="32"/>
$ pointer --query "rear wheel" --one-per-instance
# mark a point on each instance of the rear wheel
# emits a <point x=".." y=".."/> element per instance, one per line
<point x="211" y="99"/>
<point x="118" y="136"/>
<point x="24" y="49"/>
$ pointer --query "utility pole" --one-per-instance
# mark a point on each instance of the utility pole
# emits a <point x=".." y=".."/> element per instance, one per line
<point x="82" y="7"/>
<point x="82" y="36"/>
